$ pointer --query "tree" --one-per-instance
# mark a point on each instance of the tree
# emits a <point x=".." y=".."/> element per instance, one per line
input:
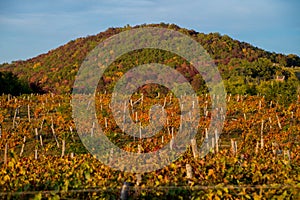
<point x="10" y="84"/>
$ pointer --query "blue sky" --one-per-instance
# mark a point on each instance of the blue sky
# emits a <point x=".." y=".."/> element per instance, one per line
<point x="29" y="28"/>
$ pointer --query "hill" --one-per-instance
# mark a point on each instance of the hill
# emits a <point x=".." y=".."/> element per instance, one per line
<point x="245" y="68"/>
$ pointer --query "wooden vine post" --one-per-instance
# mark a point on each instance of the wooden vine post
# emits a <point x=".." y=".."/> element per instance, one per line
<point x="261" y="135"/>
<point x="233" y="147"/>
<point x="278" y="121"/>
<point x="14" y="119"/>
<point x="53" y="132"/>
<point x="138" y="179"/>
<point x="257" y="146"/>
<point x="35" y="153"/>
<point x="206" y="138"/>
<point x="171" y="143"/>
<point x="28" y="112"/>
<point x="5" y="153"/>
<point x="23" y="146"/>
<point x="41" y="140"/>
<point x="63" y="148"/>
<point x="194" y="148"/>
<point x="36" y="134"/>
<point x="217" y="141"/>
<point x="189" y="171"/>
<point x="105" y="120"/>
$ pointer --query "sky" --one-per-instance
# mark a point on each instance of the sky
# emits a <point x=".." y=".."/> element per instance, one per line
<point x="32" y="27"/>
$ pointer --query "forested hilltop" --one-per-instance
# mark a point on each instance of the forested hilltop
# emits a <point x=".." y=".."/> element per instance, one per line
<point x="245" y="69"/>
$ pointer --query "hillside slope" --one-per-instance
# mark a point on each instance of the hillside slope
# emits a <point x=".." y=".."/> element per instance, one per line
<point x="55" y="71"/>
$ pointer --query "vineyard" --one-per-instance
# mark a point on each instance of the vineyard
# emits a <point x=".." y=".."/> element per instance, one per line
<point x="256" y="156"/>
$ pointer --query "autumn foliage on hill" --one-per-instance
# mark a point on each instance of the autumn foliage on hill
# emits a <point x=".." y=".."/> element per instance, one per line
<point x="55" y="71"/>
